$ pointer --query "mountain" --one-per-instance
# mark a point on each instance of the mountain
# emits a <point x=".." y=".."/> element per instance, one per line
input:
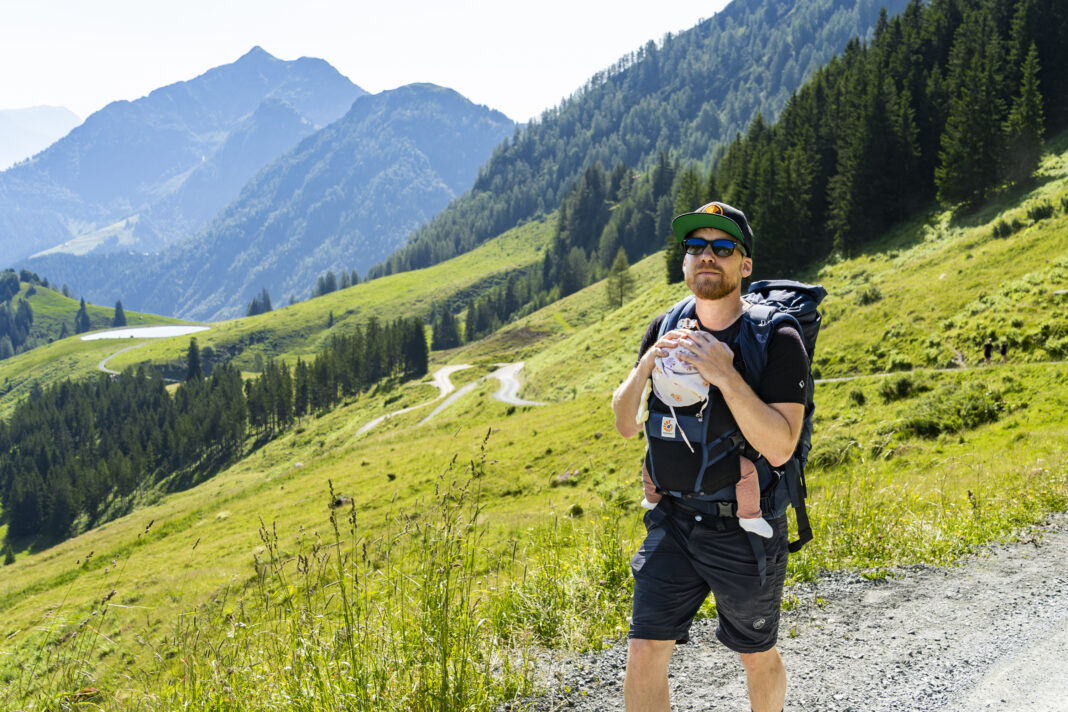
<point x="688" y="96"/>
<point x="24" y="132"/>
<point x="131" y="155"/>
<point x="343" y="199"/>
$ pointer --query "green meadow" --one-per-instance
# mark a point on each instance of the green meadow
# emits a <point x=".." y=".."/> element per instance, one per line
<point x="431" y="565"/>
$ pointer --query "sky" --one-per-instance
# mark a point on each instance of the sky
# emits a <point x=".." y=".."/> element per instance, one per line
<point x="518" y="58"/>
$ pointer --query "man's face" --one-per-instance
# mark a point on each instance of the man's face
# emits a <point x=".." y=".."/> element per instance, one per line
<point x="711" y="277"/>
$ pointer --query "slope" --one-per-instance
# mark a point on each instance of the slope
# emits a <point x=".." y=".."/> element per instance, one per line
<point x="688" y="95"/>
<point x="342" y="199"/>
<point x="885" y="489"/>
<point x="300" y="329"/>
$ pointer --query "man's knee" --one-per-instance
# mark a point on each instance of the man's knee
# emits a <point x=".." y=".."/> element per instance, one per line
<point x="649" y="655"/>
<point x="757" y="663"/>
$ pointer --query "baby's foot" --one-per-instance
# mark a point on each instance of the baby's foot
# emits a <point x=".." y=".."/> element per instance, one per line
<point x="646" y="504"/>
<point x="757" y="525"/>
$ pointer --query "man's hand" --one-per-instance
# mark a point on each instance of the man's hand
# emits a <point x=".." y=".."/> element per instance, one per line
<point x="712" y="358"/>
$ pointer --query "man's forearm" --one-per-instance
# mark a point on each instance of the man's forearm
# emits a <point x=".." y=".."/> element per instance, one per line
<point x="627" y="399"/>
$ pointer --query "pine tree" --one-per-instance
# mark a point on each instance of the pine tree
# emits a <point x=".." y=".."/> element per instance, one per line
<point x="690" y="197"/>
<point x="1025" y="126"/>
<point x="620" y="282"/>
<point x="261" y="304"/>
<point x="193" y="371"/>
<point x="972" y="142"/>
<point x="120" y="316"/>
<point x="9" y="554"/>
<point x="445" y="332"/>
<point x="81" y="319"/>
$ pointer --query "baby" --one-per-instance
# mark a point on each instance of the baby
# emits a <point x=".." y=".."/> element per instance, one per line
<point x="677" y="382"/>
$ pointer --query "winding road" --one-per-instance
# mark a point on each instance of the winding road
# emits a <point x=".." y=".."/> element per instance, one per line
<point x="506" y="374"/>
<point x="103" y="364"/>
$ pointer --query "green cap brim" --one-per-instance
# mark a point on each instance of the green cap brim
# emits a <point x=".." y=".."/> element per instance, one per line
<point x="686" y="223"/>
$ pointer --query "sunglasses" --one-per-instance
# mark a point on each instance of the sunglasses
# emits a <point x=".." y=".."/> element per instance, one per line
<point x="720" y="248"/>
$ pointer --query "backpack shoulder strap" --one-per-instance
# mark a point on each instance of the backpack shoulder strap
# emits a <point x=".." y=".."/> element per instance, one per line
<point x="681" y="308"/>
<point x="758" y="324"/>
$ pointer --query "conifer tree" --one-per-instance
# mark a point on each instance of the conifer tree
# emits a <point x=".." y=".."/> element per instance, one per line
<point x="620" y="282"/>
<point x="81" y="319"/>
<point x="193" y="371"/>
<point x="972" y="141"/>
<point x="120" y="316"/>
<point x="1025" y="126"/>
<point x="445" y="333"/>
<point x="690" y="197"/>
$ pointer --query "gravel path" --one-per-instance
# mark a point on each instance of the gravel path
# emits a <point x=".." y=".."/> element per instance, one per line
<point x="440" y="379"/>
<point x="509" y="390"/>
<point x="102" y="366"/>
<point x="988" y="634"/>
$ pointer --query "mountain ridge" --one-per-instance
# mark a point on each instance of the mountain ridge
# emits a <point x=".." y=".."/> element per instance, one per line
<point x="131" y="154"/>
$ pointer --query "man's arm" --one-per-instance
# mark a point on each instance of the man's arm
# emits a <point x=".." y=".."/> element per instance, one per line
<point x="773" y="429"/>
<point x="627" y="399"/>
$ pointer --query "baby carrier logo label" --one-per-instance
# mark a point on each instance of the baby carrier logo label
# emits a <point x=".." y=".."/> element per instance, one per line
<point x="667" y="428"/>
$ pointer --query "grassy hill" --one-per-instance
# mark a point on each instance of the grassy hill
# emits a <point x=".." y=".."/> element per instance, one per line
<point x="232" y="595"/>
<point x="58" y="357"/>
<point x="297" y="330"/>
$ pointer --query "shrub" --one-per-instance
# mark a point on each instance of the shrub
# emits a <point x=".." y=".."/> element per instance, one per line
<point x="832" y="451"/>
<point x="856" y="397"/>
<point x="869" y="295"/>
<point x="897" y="388"/>
<point x="950" y="410"/>
<point x="1064" y="204"/>
<point x="1002" y="229"/>
<point x="1057" y="348"/>
<point x="898" y="362"/>
<point x="1040" y="211"/>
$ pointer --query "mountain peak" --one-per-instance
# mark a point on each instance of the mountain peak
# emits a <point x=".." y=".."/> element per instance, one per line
<point x="257" y="54"/>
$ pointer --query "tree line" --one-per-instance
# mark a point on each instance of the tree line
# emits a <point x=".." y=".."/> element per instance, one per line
<point x="950" y="102"/>
<point x="607" y="219"/>
<point x="73" y="455"/>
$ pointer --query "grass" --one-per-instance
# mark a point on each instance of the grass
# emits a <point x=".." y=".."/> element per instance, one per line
<point x="241" y="593"/>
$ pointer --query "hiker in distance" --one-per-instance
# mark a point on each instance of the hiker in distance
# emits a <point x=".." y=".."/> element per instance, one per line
<point x="695" y="456"/>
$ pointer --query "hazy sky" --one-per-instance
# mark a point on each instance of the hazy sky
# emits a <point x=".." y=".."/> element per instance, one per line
<point x="520" y="58"/>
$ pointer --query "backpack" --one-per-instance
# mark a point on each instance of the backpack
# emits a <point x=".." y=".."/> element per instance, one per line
<point x="772" y="302"/>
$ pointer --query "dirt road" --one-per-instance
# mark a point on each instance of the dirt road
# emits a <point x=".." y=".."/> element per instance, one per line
<point x="988" y="634"/>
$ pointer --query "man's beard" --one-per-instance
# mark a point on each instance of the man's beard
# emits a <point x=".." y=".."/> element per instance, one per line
<point x="710" y="288"/>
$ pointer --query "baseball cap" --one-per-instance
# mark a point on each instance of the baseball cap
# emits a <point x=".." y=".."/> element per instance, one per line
<point x="719" y="215"/>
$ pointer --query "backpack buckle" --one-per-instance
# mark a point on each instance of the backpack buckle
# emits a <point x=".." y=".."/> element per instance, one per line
<point x="725" y="509"/>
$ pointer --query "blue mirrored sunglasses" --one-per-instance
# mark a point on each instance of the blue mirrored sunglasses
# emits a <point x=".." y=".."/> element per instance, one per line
<point x="720" y="248"/>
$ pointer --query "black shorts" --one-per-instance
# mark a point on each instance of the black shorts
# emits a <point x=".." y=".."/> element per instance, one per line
<point x="683" y="559"/>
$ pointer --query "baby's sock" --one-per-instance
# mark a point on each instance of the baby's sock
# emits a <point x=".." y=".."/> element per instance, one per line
<point x="758" y="526"/>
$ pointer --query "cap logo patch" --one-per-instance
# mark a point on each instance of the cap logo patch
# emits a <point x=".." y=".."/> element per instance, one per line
<point x="714" y="209"/>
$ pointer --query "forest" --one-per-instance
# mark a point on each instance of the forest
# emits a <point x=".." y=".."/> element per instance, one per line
<point x="77" y="454"/>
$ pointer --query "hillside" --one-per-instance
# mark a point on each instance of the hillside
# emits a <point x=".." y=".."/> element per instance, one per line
<point x="301" y="329"/>
<point x="131" y="154"/>
<point x="914" y="467"/>
<point x="688" y="96"/>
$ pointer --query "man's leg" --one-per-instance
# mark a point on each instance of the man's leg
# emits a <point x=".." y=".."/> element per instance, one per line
<point x="765" y="677"/>
<point x="645" y="687"/>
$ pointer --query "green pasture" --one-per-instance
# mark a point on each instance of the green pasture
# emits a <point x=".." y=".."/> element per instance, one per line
<point x="493" y="532"/>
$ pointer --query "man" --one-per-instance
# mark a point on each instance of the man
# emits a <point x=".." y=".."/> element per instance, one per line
<point x="691" y="548"/>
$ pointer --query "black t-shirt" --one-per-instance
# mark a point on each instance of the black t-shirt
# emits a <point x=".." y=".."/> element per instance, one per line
<point x="784" y="380"/>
